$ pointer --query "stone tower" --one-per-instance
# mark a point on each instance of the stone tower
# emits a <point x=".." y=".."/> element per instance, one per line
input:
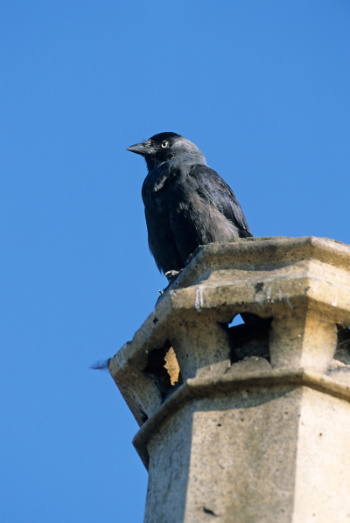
<point x="246" y="424"/>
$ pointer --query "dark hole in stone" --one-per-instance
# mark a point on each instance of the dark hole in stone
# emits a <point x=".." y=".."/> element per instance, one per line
<point x="250" y="339"/>
<point x="209" y="511"/>
<point x="163" y="369"/>
<point x="342" y="352"/>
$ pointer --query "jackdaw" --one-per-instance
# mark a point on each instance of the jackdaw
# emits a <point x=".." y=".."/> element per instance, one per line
<point x="187" y="204"/>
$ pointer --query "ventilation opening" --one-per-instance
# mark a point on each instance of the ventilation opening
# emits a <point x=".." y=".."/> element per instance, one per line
<point x="163" y="368"/>
<point x="249" y="339"/>
<point x="342" y="354"/>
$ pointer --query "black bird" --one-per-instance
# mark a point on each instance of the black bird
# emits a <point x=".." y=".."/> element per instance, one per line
<point x="187" y="204"/>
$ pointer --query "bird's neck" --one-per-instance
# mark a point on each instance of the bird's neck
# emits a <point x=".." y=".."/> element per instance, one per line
<point x="191" y="157"/>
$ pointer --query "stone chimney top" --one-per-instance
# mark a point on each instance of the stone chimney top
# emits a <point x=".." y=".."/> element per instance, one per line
<point x="249" y="423"/>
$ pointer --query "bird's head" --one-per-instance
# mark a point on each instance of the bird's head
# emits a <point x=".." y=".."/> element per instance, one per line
<point x="165" y="146"/>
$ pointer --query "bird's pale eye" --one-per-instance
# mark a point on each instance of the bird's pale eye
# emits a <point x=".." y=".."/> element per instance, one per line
<point x="164" y="144"/>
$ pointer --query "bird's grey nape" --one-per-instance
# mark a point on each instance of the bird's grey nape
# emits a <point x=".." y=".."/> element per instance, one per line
<point x="188" y="151"/>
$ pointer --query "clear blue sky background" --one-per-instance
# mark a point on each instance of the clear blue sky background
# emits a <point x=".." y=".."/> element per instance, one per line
<point x="262" y="87"/>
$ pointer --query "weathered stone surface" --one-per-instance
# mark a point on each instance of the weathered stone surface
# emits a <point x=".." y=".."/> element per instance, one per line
<point x="248" y="423"/>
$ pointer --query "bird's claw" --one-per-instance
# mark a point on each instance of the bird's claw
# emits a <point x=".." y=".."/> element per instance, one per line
<point x="171" y="275"/>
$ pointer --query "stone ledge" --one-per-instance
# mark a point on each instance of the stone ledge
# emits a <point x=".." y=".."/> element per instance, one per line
<point x="209" y="387"/>
<point x="267" y="252"/>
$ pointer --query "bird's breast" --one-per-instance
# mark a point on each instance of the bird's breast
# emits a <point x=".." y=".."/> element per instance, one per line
<point x="156" y="182"/>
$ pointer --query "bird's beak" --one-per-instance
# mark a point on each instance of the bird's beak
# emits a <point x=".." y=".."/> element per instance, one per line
<point x="142" y="148"/>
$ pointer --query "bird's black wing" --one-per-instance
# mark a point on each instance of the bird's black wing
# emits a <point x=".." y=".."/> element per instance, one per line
<point x="211" y="187"/>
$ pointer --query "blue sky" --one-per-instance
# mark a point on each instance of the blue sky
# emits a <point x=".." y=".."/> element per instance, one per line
<point x="263" y="88"/>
